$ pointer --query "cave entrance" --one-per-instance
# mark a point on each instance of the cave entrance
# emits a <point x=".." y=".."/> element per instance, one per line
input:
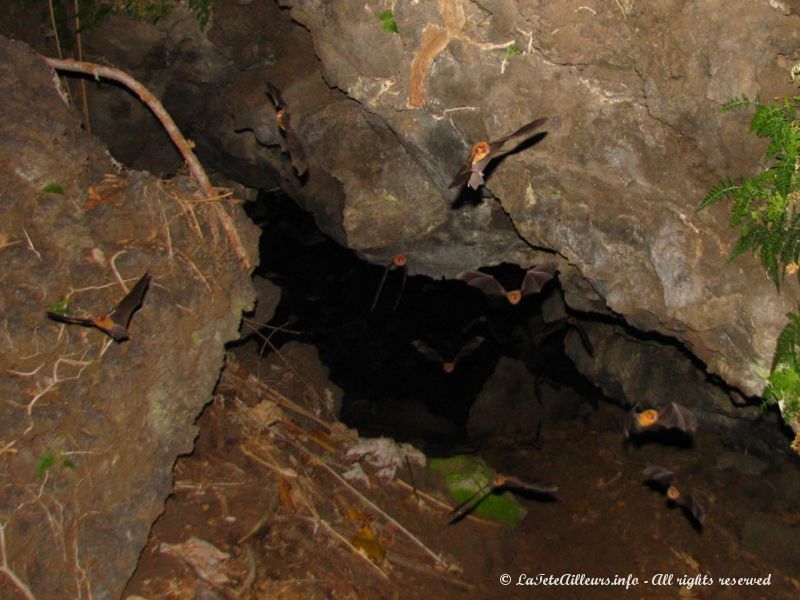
<point x="434" y="362"/>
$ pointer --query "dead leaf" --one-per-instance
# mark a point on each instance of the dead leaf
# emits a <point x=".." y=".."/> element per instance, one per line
<point x="105" y="192"/>
<point x="204" y="558"/>
<point x="366" y="542"/>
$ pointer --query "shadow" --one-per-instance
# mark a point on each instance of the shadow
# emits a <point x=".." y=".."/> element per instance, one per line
<point x="521" y="147"/>
<point x="469" y="197"/>
<point x="665" y="437"/>
<point x="461" y="512"/>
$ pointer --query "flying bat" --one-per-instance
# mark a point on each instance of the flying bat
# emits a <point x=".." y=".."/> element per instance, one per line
<point x="115" y="323"/>
<point x="666" y="481"/>
<point x="533" y="282"/>
<point x="398" y="263"/>
<point x="482" y="153"/>
<point x="672" y="416"/>
<point x="289" y="141"/>
<point x="449" y="363"/>
<point x="499" y="483"/>
<point x="540" y="332"/>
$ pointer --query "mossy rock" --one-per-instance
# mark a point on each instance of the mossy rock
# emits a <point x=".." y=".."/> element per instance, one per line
<point x="465" y="475"/>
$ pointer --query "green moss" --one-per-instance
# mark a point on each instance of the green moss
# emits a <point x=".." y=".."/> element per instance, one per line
<point x="198" y="338"/>
<point x="52" y="188"/>
<point x="465" y="475"/>
<point x="388" y="23"/>
<point x="511" y="50"/>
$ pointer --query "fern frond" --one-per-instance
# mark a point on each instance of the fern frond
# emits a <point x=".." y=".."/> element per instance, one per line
<point x="736" y="103"/>
<point x="724" y="189"/>
<point x="786" y="349"/>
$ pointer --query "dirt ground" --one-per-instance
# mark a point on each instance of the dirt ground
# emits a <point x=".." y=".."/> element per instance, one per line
<point x="264" y="488"/>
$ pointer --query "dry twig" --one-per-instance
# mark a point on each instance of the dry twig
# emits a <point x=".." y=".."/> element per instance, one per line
<point x="6" y="569"/>
<point x="195" y="168"/>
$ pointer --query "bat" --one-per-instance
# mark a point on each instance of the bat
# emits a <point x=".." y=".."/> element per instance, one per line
<point x="448" y="364"/>
<point x="569" y="321"/>
<point x="533" y="282"/>
<point x="399" y="263"/>
<point x="499" y="483"/>
<point x="115" y="323"/>
<point x="482" y="153"/>
<point x="290" y="143"/>
<point x="666" y="481"/>
<point x="672" y="416"/>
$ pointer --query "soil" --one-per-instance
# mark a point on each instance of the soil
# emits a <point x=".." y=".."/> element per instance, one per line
<point x="260" y="487"/>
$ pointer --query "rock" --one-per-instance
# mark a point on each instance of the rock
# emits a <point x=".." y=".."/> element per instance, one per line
<point x="269" y="296"/>
<point x="744" y="463"/>
<point x="654" y="372"/>
<point x="635" y="139"/>
<point x="91" y="428"/>
<point x="769" y="538"/>
<point x="301" y="374"/>
<point x="513" y="404"/>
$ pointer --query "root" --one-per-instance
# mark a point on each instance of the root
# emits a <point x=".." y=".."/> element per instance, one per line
<point x="195" y="168"/>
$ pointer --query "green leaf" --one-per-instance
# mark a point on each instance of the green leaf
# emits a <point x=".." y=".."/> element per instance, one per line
<point x="47" y="460"/>
<point x="60" y="308"/>
<point x="52" y="188"/>
<point x="388" y="23"/>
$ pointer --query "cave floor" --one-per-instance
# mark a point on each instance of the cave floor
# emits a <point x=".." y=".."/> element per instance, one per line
<point x="260" y="488"/>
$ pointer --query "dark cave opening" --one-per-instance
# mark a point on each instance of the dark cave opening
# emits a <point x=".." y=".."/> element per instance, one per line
<point x="388" y="337"/>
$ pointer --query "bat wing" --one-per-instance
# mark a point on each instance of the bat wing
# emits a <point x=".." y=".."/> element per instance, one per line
<point x="484" y="282"/>
<point x="695" y="508"/>
<point x="468" y="505"/>
<point x="462" y="176"/>
<point x="587" y="343"/>
<point x="536" y="278"/>
<point x="274" y="95"/>
<point x="539" y="487"/>
<point x="658" y="475"/>
<point x="70" y="320"/>
<point x="297" y="153"/>
<point x="428" y="352"/>
<point x="675" y="416"/>
<point x="122" y="314"/>
<point x="497" y="145"/>
<point x="468" y="348"/>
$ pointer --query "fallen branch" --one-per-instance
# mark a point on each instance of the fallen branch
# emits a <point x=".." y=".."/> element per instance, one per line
<point x="438" y="559"/>
<point x="195" y="168"/>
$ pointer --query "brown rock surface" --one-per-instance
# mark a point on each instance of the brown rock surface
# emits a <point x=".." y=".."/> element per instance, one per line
<point x="90" y="429"/>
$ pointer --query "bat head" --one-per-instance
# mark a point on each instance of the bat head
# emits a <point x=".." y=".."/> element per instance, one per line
<point x="279" y="118"/>
<point x="673" y="493"/>
<point x="448" y="367"/>
<point x="479" y="152"/>
<point x="400" y="261"/>
<point x="107" y="324"/>
<point x="514" y="297"/>
<point x="647" y="418"/>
